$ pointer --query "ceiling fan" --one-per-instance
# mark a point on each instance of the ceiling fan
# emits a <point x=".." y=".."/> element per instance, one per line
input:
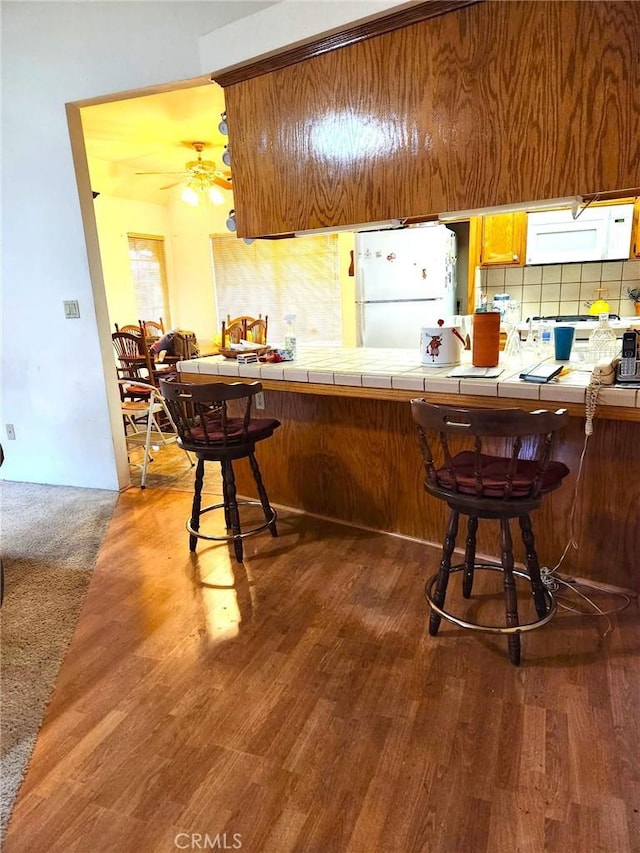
<point x="201" y="178"/>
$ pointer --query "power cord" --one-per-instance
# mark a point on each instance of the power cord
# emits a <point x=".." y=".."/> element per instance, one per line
<point x="553" y="584"/>
<point x="572" y="541"/>
<point x="591" y="400"/>
<point x="576" y="210"/>
<point x="549" y="576"/>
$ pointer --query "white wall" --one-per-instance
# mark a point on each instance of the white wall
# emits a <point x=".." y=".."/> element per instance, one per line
<point x="186" y="231"/>
<point x="53" y="380"/>
<point x="192" y="283"/>
<point x="285" y="24"/>
<point x="115" y="219"/>
<point x="53" y="370"/>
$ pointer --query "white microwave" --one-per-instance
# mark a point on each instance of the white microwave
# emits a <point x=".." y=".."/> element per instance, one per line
<point x="596" y="234"/>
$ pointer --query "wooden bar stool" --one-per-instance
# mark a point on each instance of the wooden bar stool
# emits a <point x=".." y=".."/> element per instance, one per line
<point x="479" y="483"/>
<point x="208" y="428"/>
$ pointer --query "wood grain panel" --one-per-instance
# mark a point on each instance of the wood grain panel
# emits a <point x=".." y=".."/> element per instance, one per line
<point x="358" y="461"/>
<point x="492" y="104"/>
<point x="384" y="24"/>
<point x="603" y="412"/>
<point x="296" y="704"/>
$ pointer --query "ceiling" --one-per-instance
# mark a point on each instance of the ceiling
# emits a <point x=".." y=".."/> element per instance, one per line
<point x="151" y="134"/>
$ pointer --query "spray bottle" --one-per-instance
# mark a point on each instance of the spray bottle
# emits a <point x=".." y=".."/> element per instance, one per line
<point x="290" y="335"/>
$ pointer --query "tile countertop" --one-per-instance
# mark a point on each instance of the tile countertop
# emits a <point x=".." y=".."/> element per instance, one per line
<point x="400" y="369"/>
<point x="585" y="327"/>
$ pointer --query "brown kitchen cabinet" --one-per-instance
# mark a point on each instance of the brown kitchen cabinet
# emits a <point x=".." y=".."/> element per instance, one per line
<point x="503" y="240"/>
<point x="417" y="121"/>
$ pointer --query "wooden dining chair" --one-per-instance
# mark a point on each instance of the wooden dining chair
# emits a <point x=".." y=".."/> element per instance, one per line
<point x="134" y="359"/>
<point x="151" y="329"/>
<point x="233" y="331"/>
<point x="129" y="329"/>
<point x="240" y="328"/>
<point x="257" y="329"/>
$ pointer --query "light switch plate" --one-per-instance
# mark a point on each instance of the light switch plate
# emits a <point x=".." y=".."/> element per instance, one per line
<point x="71" y="309"/>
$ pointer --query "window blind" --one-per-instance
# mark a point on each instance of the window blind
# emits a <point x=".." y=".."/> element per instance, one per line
<point x="298" y="276"/>
<point x="148" y="270"/>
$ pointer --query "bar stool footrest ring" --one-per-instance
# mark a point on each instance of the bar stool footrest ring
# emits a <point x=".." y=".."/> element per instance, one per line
<point x="233" y="537"/>
<point x="490" y="629"/>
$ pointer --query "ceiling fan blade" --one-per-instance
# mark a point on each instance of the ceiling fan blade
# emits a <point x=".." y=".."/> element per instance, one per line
<point x="223" y="182"/>
<point x="161" y="173"/>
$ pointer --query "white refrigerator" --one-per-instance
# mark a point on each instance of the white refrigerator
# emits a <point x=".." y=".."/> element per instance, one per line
<point x="405" y="279"/>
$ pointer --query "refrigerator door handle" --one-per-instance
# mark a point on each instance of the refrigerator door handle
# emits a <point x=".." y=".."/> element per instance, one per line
<point x="360" y="325"/>
<point x="398" y="301"/>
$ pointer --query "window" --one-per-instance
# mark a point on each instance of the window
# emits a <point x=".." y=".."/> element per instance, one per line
<point x="148" y="270"/>
<point x="298" y="276"/>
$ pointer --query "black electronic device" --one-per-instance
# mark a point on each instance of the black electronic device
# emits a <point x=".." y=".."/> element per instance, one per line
<point x="628" y="369"/>
<point x="542" y="372"/>
<point x="629" y="353"/>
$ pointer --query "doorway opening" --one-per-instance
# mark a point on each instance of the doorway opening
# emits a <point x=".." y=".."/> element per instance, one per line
<point x="131" y="153"/>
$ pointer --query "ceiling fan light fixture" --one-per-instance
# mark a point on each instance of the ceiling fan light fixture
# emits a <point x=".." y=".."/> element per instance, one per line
<point x="202" y="179"/>
<point x="189" y="196"/>
<point x="215" y="196"/>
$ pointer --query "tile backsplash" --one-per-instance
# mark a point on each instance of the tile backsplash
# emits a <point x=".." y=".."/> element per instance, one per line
<point x="564" y="288"/>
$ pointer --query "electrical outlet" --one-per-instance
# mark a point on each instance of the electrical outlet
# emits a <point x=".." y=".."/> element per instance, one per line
<point x="71" y="309"/>
<point x="260" y="400"/>
<point x="11" y="433"/>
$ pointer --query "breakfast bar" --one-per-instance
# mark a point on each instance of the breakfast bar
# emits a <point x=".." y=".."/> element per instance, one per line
<point x="348" y="450"/>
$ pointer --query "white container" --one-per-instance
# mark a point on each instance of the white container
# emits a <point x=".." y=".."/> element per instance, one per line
<point x="501" y="303"/>
<point x="545" y="339"/>
<point x="441" y="345"/>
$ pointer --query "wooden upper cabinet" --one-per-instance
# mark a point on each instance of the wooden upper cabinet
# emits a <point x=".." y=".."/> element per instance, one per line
<point x="503" y="240"/>
<point x="491" y="104"/>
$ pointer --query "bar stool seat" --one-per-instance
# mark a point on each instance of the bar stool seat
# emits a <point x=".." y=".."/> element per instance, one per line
<point x="209" y="428"/>
<point x="488" y="485"/>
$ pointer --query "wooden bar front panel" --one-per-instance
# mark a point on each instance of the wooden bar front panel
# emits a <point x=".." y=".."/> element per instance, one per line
<point x="495" y="103"/>
<point x="357" y="460"/>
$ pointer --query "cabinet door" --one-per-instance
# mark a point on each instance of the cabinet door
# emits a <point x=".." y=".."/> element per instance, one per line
<point x="416" y="121"/>
<point x="635" y="234"/>
<point x="503" y="240"/>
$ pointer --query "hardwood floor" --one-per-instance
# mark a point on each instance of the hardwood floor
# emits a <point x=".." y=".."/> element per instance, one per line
<point x="297" y="703"/>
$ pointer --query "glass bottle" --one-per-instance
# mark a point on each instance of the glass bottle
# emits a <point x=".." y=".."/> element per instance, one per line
<point x="603" y="343"/>
<point x="290" y="335"/>
<point x="513" y="346"/>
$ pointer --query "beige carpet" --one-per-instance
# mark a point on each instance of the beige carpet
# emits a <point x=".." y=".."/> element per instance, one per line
<point x="50" y="540"/>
